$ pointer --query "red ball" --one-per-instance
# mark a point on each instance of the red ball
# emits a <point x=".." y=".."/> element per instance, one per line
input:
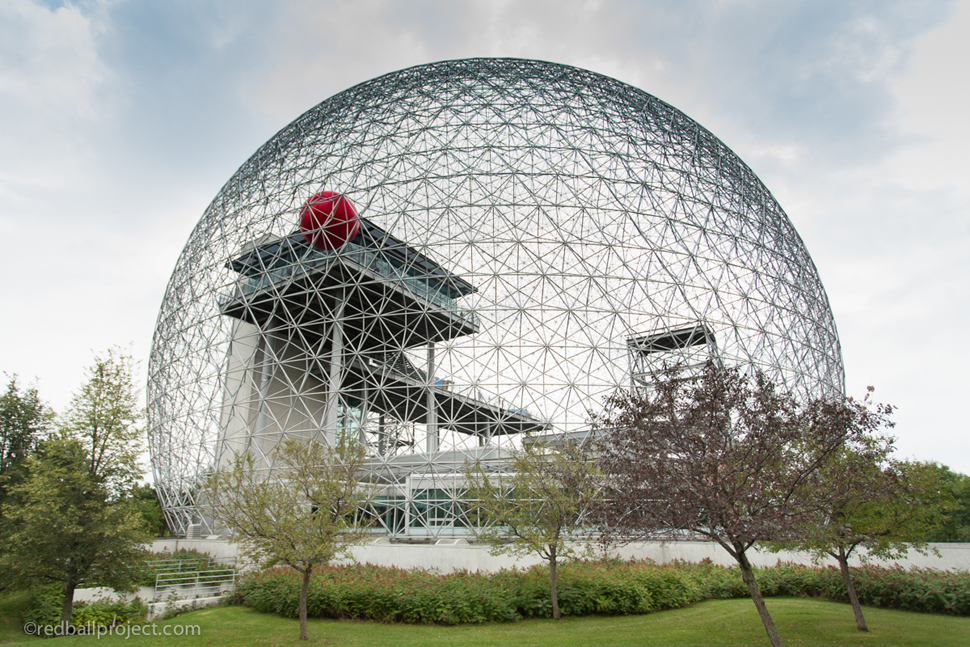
<point x="328" y="220"/>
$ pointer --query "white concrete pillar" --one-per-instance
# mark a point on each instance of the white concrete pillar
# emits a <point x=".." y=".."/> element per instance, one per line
<point x="268" y="344"/>
<point x="331" y="421"/>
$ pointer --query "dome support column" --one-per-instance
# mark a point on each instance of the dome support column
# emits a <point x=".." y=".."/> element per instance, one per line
<point x="269" y="361"/>
<point x="331" y="420"/>
<point x="432" y="443"/>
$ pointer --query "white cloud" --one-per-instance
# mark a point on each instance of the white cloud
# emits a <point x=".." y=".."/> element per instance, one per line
<point x="50" y="57"/>
<point x="934" y="97"/>
<point x="316" y="49"/>
<point x="51" y="79"/>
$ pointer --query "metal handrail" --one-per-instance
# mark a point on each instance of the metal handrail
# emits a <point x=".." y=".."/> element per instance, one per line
<point x="204" y="580"/>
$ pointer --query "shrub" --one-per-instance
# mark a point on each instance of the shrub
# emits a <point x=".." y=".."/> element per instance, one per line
<point x="585" y="588"/>
<point x="394" y="595"/>
<point x="382" y="594"/>
<point x="925" y="590"/>
<point x="44" y="608"/>
<point x="191" y="559"/>
<point x="918" y="589"/>
<point x="720" y="582"/>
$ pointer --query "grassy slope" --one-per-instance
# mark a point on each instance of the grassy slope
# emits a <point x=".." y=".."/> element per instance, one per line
<point x="722" y="622"/>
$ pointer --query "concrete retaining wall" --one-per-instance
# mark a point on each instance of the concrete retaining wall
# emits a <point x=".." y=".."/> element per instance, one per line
<point x="449" y="557"/>
<point x="146" y="593"/>
<point x="157" y="609"/>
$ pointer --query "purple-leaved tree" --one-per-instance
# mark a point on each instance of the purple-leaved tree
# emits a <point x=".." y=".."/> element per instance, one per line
<point x="723" y="455"/>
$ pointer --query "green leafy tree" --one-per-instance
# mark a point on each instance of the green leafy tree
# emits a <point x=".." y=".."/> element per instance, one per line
<point x="24" y="421"/>
<point x="955" y="526"/>
<point x="305" y="516"/>
<point x="67" y="528"/>
<point x="146" y="498"/>
<point x="73" y="519"/>
<point x="105" y="416"/>
<point x="882" y="506"/>
<point x="539" y="505"/>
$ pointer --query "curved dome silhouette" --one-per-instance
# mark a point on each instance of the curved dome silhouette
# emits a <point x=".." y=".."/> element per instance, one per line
<point x="531" y="237"/>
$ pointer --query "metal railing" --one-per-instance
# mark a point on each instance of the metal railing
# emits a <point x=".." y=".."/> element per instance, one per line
<point x="181" y="579"/>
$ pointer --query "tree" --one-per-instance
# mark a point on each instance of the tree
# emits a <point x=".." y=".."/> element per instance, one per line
<point x="146" y="498"/>
<point x="104" y="415"/>
<point x="722" y="455"/>
<point x="539" y="505"/>
<point x="24" y="422"/>
<point x="67" y="528"/>
<point x="72" y="519"/>
<point x="306" y="515"/>
<point x="874" y="503"/>
<point x="955" y="526"/>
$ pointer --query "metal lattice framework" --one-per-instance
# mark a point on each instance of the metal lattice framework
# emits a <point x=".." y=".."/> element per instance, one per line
<point x="533" y="236"/>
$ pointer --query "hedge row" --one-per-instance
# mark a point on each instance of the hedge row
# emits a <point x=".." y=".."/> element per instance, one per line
<point x="585" y="588"/>
<point x="924" y="590"/>
<point x="395" y="595"/>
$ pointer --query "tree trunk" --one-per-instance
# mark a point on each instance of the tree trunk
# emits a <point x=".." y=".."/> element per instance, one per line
<point x="304" y="587"/>
<point x="843" y="558"/>
<point x="552" y="586"/>
<point x="747" y="574"/>
<point x="68" y="606"/>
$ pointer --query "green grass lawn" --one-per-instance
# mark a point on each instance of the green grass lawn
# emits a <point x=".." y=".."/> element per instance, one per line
<point x="721" y="622"/>
<point x="10" y="631"/>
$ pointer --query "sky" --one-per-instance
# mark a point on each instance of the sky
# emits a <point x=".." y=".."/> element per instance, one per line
<point x="121" y="120"/>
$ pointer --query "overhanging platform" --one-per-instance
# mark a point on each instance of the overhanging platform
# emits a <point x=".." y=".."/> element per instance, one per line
<point x="406" y="399"/>
<point x="377" y="310"/>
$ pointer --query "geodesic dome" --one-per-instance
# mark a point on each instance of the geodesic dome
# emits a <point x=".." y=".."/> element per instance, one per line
<point x="531" y="237"/>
